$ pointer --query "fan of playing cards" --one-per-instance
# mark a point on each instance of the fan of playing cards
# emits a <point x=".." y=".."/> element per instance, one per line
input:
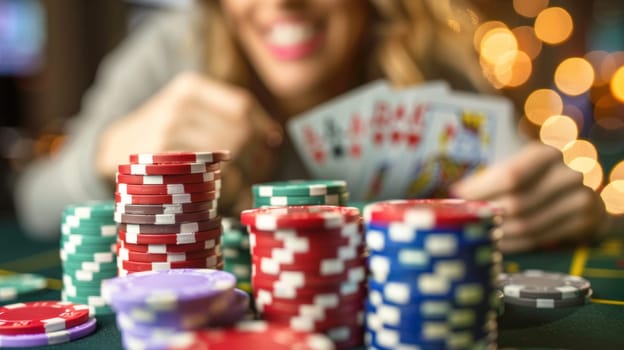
<point x="408" y="143"/>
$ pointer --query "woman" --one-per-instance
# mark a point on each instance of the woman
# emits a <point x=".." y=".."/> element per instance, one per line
<point x="229" y="74"/>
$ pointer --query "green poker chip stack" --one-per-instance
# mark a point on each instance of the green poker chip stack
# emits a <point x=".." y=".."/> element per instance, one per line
<point x="236" y="253"/>
<point x="300" y="192"/>
<point x="87" y="248"/>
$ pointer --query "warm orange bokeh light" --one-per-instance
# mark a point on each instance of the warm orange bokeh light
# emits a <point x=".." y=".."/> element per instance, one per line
<point x="515" y="73"/>
<point x="527" y="41"/>
<point x="558" y="131"/>
<point x="591" y="170"/>
<point x="484" y="28"/>
<point x="574" y="76"/>
<point x="617" y="84"/>
<point x="553" y="25"/>
<point x="617" y="173"/>
<point x="542" y="104"/>
<point x="579" y="149"/>
<point x="613" y="197"/>
<point x="499" y="46"/>
<point x="529" y="8"/>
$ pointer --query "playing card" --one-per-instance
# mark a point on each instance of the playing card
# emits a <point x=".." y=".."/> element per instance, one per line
<point x="464" y="133"/>
<point x="331" y="139"/>
<point x="397" y="128"/>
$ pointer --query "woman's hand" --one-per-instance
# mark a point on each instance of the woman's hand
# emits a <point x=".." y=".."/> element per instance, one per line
<point x="195" y="113"/>
<point x="544" y="201"/>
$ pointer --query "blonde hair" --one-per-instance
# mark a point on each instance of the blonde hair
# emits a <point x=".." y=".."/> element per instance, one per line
<point x="415" y="41"/>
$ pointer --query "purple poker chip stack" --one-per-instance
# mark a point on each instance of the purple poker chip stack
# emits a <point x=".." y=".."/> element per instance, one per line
<point x="156" y="308"/>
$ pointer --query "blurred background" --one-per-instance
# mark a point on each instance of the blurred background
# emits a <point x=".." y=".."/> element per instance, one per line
<point x="561" y="62"/>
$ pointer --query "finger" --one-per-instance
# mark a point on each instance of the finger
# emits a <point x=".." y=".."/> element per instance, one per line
<point x="557" y="181"/>
<point x="509" y="176"/>
<point x="577" y="203"/>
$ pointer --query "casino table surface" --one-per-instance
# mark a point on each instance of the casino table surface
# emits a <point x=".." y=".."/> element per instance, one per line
<point x="599" y="325"/>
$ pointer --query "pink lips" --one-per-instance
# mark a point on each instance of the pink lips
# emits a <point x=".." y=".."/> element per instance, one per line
<point x="296" y="51"/>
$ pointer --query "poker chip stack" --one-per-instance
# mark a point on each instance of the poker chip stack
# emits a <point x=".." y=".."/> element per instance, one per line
<point x="155" y="309"/>
<point x="300" y="192"/>
<point x="235" y="250"/>
<point x="166" y="208"/>
<point x="87" y="248"/>
<point x="309" y="269"/>
<point x="40" y="323"/>
<point x="432" y="267"/>
<point x="544" y="290"/>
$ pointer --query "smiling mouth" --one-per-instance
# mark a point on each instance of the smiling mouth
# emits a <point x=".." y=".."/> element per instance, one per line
<point x="293" y="40"/>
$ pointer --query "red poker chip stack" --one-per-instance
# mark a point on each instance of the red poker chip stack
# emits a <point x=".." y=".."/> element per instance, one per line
<point x="166" y="206"/>
<point x="309" y="269"/>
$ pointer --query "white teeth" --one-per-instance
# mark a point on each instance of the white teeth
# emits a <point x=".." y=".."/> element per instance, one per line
<point x="290" y="34"/>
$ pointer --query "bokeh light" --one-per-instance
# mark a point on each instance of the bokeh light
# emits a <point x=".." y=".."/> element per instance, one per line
<point x="553" y="25"/>
<point x="498" y="46"/>
<point x="542" y="104"/>
<point x="558" y="131"/>
<point x="529" y="8"/>
<point x="579" y="149"/>
<point x="613" y="197"/>
<point x="482" y="29"/>
<point x="574" y="76"/>
<point x="591" y="170"/>
<point x="527" y="41"/>
<point x="617" y="173"/>
<point x="617" y="84"/>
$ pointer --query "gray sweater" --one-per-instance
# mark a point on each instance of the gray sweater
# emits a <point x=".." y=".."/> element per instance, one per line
<point x="161" y="47"/>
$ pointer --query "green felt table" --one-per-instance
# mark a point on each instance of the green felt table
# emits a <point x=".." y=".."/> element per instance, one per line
<point x="599" y="325"/>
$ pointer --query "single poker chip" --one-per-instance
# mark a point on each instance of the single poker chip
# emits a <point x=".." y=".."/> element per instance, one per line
<point x="304" y="217"/>
<point x="179" y="157"/>
<point x="41" y="317"/>
<point x="165" y="219"/>
<point x="79" y="239"/>
<point x="195" y="226"/>
<point x="262" y="334"/>
<point x="167" y="169"/>
<point x="545" y="303"/>
<point x="49" y="338"/>
<point x="154" y="209"/>
<point x="98" y="230"/>
<point x="429" y="213"/>
<point x="165" y="198"/>
<point x="181" y="238"/>
<point x="209" y="176"/>
<point x="301" y="188"/>
<point x="166" y="290"/>
<point x="125" y="254"/>
<point x="169" y="248"/>
<point x="329" y="199"/>
<point x="206" y="262"/>
<point x="89" y="266"/>
<point x="534" y="284"/>
<point x="169" y="188"/>
<point x="89" y="210"/>
<point x="98" y="257"/>
<point x="12" y="286"/>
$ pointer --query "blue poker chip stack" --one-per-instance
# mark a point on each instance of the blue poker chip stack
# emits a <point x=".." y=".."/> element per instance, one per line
<point x="433" y="266"/>
<point x="159" y="309"/>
